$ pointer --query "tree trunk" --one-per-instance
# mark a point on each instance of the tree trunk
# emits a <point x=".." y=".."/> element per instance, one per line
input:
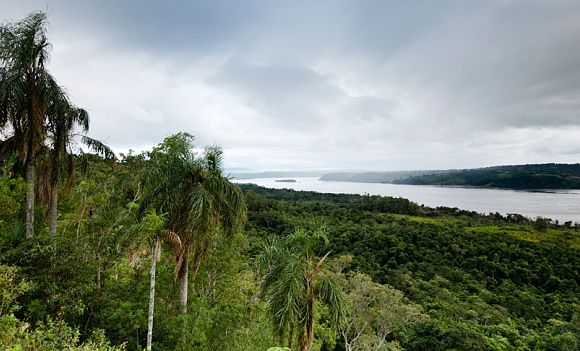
<point x="98" y="271"/>
<point x="290" y="336"/>
<point x="52" y="213"/>
<point x="151" y="294"/>
<point x="30" y="198"/>
<point x="310" y="321"/>
<point x="183" y="272"/>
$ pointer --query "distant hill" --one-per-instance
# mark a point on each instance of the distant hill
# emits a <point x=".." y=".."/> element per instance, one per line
<point x="374" y="177"/>
<point x="531" y="176"/>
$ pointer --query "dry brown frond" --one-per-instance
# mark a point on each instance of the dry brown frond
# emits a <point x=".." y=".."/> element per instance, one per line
<point x="134" y="257"/>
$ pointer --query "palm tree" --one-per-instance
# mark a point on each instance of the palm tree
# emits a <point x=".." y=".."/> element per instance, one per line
<point x="64" y="153"/>
<point x="151" y="233"/>
<point x="198" y="199"/>
<point x="27" y="92"/>
<point x="152" y="226"/>
<point x="292" y="280"/>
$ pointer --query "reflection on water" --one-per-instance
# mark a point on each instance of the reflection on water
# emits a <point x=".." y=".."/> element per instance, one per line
<point x="563" y="205"/>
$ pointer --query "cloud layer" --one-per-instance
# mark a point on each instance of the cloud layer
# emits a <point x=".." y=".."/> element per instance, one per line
<point x="377" y="85"/>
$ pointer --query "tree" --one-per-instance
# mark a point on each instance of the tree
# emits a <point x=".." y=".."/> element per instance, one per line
<point x="27" y="92"/>
<point x="375" y="311"/>
<point x="292" y="280"/>
<point x="65" y="152"/>
<point x="198" y="199"/>
<point x="152" y="225"/>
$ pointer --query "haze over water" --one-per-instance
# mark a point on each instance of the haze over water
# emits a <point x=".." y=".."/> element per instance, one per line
<point x="562" y="205"/>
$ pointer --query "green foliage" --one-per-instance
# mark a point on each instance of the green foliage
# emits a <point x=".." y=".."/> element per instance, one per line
<point x="375" y="311"/>
<point x="292" y="280"/>
<point x="16" y="335"/>
<point x="536" y="176"/>
<point x="192" y="191"/>
<point x="540" y="224"/>
<point x="12" y="194"/>
<point x="11" y="287"/>
<point x="487" y="282"/>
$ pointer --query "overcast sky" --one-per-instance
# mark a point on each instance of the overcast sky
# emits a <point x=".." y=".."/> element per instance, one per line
<point x="295" y="85"/>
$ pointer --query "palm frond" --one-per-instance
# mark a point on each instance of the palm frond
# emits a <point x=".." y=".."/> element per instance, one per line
<point x="175" y="242"/>
<point x="331" y="293"/>
<point x="98" y="147"/>
<point x="214" y="158"/>
<point x="285" y="302"/>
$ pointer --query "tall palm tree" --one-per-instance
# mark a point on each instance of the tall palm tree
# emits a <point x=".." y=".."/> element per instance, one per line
<point x="198" y="199"/>
<point x="27" y="91"/>
<point x="152" y="225"/>
<point x="64" y="153"/>
<point x="292" y="280"/>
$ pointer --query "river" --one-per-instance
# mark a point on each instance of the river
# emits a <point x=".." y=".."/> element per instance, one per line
<point x="562" y="205"/>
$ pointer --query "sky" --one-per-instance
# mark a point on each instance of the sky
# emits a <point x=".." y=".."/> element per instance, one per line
<point x="326" y="85"/>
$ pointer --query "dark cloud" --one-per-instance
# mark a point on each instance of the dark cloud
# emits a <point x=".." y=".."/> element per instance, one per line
<point x="289" y="94"/>
<point x="327" y="84"/>
<point x="166" y="27"/>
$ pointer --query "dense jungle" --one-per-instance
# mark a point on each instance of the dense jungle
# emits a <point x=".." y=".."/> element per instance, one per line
<point x="453" y="280"/>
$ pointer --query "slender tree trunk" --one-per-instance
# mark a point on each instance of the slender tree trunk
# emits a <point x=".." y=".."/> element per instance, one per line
<point x="310" y="322"/>
<point x="152" y="294"/>
<point x="183" y="275"/>
<point x="52" y="213"/>
<point x="98" y="271"/>
<point x="30" y="198"/>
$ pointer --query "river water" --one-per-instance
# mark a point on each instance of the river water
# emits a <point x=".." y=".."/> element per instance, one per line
<point x="562" y="205"/>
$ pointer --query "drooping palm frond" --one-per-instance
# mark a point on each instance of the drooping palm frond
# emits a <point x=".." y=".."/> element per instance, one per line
<point x="164" y="185"/>
<point x="7" y="147"/>
<point x="98" y="147"/>
<point x="193" y="193"/>
<point x="28" y="93"/>
<point x="175" y="241"/>
<point x="229" y="201"/>
<point x="292" y="279"/>
<point x="288" y="297"/>
<point x="59" y="164"/>
<point x="331" y="294"/>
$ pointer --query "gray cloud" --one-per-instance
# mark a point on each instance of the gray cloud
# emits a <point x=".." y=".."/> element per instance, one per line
<point x="290" y="96"/>
<point x="341" y="84"/>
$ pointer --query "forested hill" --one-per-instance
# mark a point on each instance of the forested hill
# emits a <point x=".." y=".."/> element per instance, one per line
<point x="534" y="176"/>
<point x="486" y="282"/>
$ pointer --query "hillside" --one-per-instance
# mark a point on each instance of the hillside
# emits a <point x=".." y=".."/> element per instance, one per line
<point x="486" y="282"/>
<point x="534" y="176"/>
